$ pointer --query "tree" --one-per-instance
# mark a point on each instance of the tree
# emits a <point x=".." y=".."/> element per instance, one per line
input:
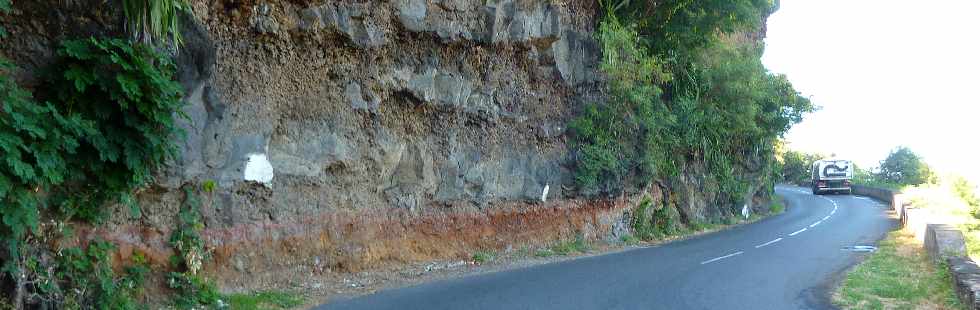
<point x="796" y="166"/>
<point x="685" y="25"/>
<point x="902" y="166"/>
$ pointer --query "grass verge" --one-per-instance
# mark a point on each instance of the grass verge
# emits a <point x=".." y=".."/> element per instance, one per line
<point x="264" y="300"/>
<point x="579" y="245"/>
<point x="484" y="256"/>
<point x="776" y="206"/>
<point x="898" y="276"/>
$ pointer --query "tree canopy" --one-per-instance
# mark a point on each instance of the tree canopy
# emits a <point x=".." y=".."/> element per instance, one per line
<point x="903" y="166"/>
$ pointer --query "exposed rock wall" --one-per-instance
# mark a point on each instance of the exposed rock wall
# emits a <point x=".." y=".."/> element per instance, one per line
<point x="404" y="103"/>
<point x="360" y="133"/>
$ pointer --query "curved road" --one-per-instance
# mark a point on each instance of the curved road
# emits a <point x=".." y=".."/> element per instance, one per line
<point x="788" y="261"/>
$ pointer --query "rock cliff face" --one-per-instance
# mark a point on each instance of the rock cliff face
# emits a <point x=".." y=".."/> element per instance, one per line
<point x="361" y="133"/>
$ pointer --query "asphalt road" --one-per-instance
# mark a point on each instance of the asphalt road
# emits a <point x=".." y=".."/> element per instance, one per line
<point x="788" y="261"/>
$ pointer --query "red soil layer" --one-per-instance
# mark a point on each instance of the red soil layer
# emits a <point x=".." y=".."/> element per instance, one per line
<point x="350" y="241"/>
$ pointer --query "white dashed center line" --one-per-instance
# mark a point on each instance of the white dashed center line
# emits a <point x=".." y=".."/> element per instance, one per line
<point x="721" y="258"/>
<point x="780" y="239"/>
<point x="797" y="232"/>
<point x="768" y="243"/>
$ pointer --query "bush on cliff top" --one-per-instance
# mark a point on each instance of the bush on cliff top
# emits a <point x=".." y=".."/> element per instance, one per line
<point x="672" y="26"/>
<point x="700" y="97"/>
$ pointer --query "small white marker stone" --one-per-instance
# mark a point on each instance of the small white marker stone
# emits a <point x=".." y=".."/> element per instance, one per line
<point x="258" y="168"/>
<point x="544" y="193"/>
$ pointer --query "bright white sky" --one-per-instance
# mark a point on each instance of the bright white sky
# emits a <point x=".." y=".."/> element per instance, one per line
<point x="887" y="73"/>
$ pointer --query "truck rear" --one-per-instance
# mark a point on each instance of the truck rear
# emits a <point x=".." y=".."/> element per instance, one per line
<point x="832" y="176"/>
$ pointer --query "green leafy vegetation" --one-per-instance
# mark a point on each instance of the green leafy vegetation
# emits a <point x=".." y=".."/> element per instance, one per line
<point x="566" y="247"/>
<point x="102" y="125"/>
<point x="264" y="300"/>
<point x="618" y="141"/>
<point x="578" y="245"/>
<point x="4" y="9"/>
<point x="84" y="279"/>
<point x="902" y="166"/>
<point x="967" y="192"/>
<point x="948" y="196"/>
<point x="149" y="21"/>
<point x="685" y="88"/>
<point x="898" y="276"/>
<point x="869" y="178"/>
<point x="484" y="256"/>
<point x="127" y="96"/>
<point x="650" y="222"/>
<point x="208" y="186"/>
<point x="795" y="166"/>
<point x="629" y="240"/>
<point x="37" y="142"/>
<point x="191" y="288"/>
<point x="674" y="26"/>
<point x="776" y="207"/>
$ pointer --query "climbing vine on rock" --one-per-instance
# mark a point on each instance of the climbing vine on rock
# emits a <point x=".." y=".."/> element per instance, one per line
<point x="192" y="289"/>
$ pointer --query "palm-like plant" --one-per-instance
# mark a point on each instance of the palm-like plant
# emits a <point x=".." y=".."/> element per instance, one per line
<point x="151" y="21"/>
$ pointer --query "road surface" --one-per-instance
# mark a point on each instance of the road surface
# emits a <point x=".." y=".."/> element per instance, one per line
<point x="788" y="261"/>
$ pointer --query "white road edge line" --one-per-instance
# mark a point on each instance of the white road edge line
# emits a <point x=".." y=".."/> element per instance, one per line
<point x="721" y="258"/>
<point x="768" y="243"/>
<point x="798" y="231"/>
<point x="815" y="224"/>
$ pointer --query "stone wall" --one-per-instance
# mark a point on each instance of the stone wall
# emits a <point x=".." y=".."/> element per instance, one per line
<point x="943" y="242"/>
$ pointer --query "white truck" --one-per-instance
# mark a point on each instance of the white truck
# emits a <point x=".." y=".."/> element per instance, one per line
<point x="831" y="176"/>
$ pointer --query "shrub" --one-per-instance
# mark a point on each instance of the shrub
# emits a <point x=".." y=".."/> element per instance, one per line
<point x="673" y="25"/>
<point x="127" y="94"/>
<point x="105" y="122"/>
<point x="619" y="140"/>
<point x="713" y="104"/>
<point x="36" y="142"/>
<point x="84" y="279"/>
<point x="650" y="224"/>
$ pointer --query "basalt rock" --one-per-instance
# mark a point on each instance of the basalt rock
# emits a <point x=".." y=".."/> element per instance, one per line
<point x="367" y="133"/>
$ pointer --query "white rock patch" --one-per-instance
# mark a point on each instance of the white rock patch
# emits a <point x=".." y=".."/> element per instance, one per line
<point x="544" y="193"/>
<point x="258" y="168"/>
